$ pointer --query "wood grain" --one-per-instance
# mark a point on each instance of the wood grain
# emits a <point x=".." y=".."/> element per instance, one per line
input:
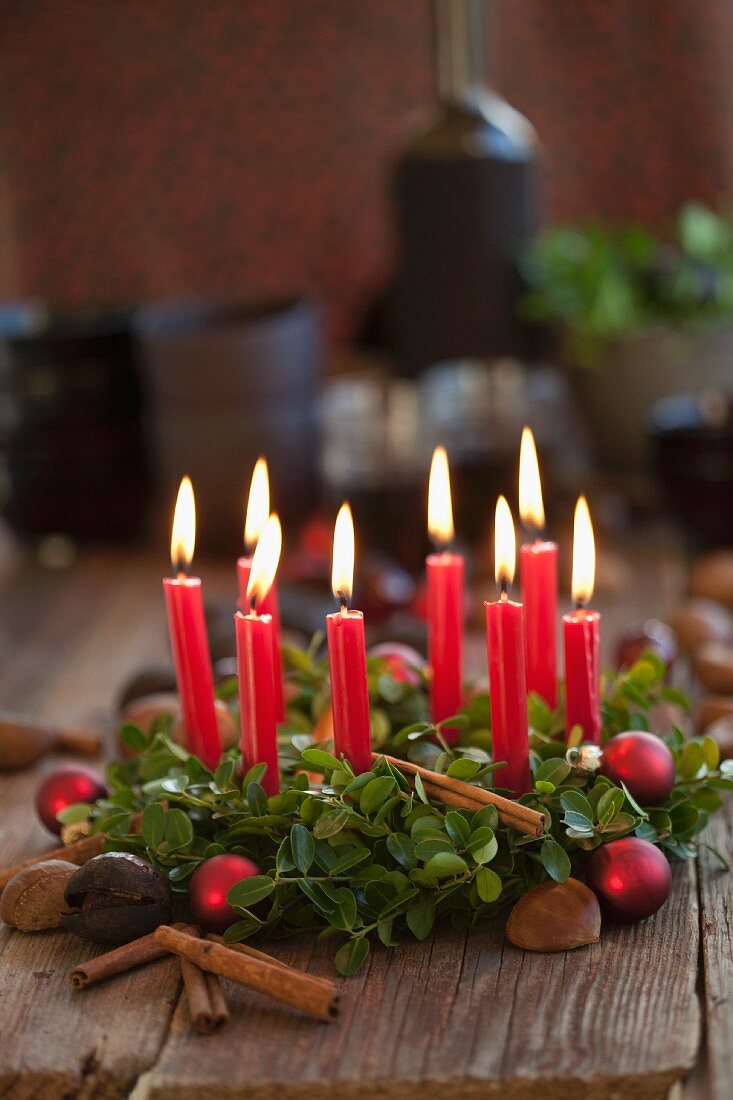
<point x="462" y="1015"/>
<point x="716" y="899"/>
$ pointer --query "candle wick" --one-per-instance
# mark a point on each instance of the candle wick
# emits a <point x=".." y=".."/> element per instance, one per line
<point x="343" y="603"/>
<point x="253" y="604"/>
<point x="579" y="604"/>
<point x="504" y="590"/>
<point x="181" y="569"/>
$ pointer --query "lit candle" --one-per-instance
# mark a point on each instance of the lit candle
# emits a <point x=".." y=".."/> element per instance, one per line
<point x="347" y="656"/>
<point x="581" y="630"/>
<point x="507" y="664"/>
<point x="539" y="579"/>
<point x="189" y="640"/>
<point x="255" y="666"/>
<point x="445" y="600"/>
<point x="258" y="510"/>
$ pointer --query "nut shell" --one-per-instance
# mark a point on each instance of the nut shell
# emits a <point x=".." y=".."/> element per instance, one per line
<point x="34" y="898"/>
<point x="21" y="745"/>
<point x="555" y="916"/>
<point x="710" y="709"/>
<point x="712" y="577"/>
<point x="116" y="897"/>
<point x="700" y="620"/>
<point x="714" y="667"/>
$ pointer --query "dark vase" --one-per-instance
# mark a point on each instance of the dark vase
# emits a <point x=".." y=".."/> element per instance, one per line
<point x="465" y="195"/>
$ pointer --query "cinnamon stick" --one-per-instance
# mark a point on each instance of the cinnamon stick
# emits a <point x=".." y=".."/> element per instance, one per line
<point x="253" y="953"/>
<point x="204" y="1016"/>
<point x="78" y="852"/>
<point x="449" y="790"/>
<point x="219" y="1006"/>
<point x="121" y="959"/>
<point x="290" y="987"/>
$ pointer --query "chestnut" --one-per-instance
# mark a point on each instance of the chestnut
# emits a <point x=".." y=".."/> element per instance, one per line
<point x="116" y="897"/>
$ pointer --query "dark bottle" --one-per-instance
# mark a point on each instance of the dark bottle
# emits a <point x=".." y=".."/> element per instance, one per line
<point x="466" y="200"/>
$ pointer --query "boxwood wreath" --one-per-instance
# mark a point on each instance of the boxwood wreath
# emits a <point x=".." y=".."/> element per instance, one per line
<point x="351" y="858"/>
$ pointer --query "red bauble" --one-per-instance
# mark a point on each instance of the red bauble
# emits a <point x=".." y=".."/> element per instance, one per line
<point x="643" y="762"/>
<point x="63" y="788"/>
<point x="403" y="662"/>
<point x="210" y="884"/>
<point x="631" y="878"/>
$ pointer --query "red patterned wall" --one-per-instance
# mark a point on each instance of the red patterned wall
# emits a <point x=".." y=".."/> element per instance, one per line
<point x="241" y="147"/>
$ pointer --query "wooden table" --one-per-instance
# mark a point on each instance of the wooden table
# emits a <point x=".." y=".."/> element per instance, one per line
<point x="461" y="1015"/>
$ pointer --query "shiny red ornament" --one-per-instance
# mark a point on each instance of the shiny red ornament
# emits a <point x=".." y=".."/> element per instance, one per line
<point x="209" y="886"/>
<point x="63" y="788"/>
<point x="631" y="878"/>
<point x="643" y="762"/>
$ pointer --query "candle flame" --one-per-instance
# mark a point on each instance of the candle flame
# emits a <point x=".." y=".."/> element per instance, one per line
<point x="505" y="543"/>
<point x="531" y="509"/>
<point x="342" y="568"/>
<point x="265" y="560"/>
<point x="584" y="554"/>
<point x="440" y="509"/>
<point x="258" y="504"/>
<point x="183" y="534"/>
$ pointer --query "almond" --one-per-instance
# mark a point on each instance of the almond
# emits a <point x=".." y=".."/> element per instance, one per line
<point x="555" y="916"/>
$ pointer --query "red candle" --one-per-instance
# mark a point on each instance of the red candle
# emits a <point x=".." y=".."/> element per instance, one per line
<point x="539" y="580"/>
<point x="581" y="630"/>
<point x="347" y="656"/>
<point x="189" y="640"/>
<point x="258" y="509"/>
<point x="507" y="665"/>
<point x="445" y="601"/>
<point x="257" y="697"/>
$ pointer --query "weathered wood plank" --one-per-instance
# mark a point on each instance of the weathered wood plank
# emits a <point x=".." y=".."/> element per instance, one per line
<point x="462" y="1015"/>
<point x="467" y="1015"/>
<point x="716" y="901"/>
<point x="87" y="633"/>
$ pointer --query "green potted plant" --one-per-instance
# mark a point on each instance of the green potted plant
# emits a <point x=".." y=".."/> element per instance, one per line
<point x="638" y="318"/>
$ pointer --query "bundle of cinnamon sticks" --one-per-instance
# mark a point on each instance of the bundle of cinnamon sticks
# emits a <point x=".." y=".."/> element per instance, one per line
<point x="454" y="792"/>
<point x="204" y="963"/>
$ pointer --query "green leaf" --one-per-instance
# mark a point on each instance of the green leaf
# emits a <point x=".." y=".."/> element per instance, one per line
<point x="691" y="760"/>
<point x="576" y="803"/>
<point x="420" y="790"/>
<point x="488" y="817"/>
<point x="72" y="815"/>
<point x="555" y="860"/>
<point x="711" y="753"/>
<point x="555" y="771"/>
<point x="610" y="804"/>
<point x="488" y="884"/>
<point x="153" y="825"/>
<point x="178" y="829"/>
<point x="445" y="864"/>
<point x="132" y="736"/>
<point x="420" y="917"/>
<point x="319" y="759"/>
<point x="402" y="849"/>
<point x="257" y="799"/>
<point x="426" y="849"/>
<point x="330" y="823"/>
<point x="483" y="845"/>
<point x="463" y="768"/>
<point x="245" y="894"/>
<point x="352" y="956"/>
<point x="457" y="828"/>
<point x="303" y="847"/>
<point x="375" y="793"/>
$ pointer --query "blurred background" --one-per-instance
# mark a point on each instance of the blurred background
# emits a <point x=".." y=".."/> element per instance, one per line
<point x="338" y="233"/>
